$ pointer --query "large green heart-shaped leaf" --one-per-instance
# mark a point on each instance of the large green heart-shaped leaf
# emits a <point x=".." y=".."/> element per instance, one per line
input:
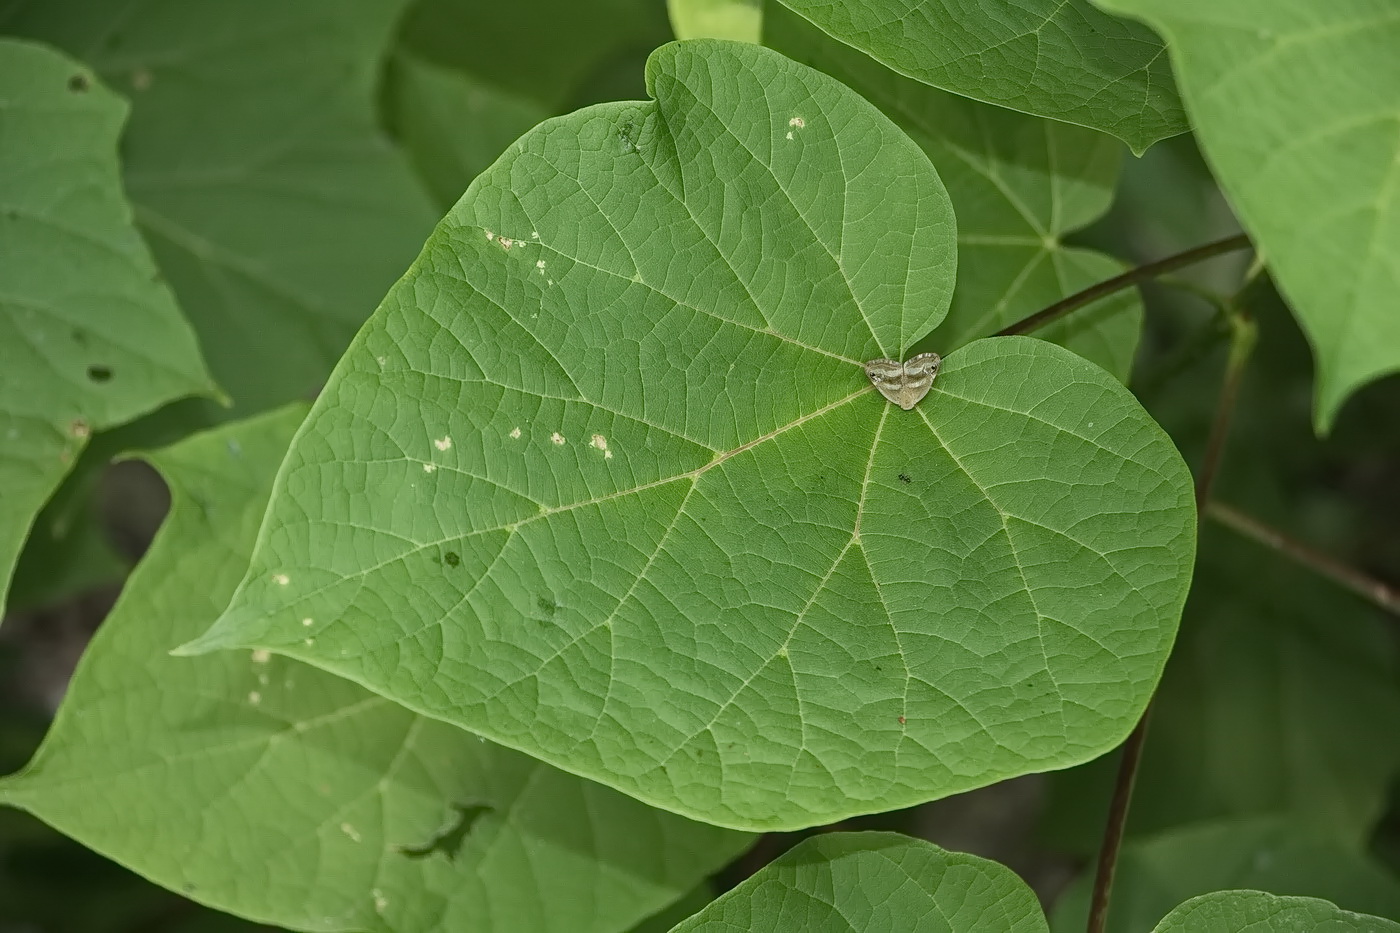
<point x="1297" y="106"/>
<point x="90" y="337"/>
<point x="847" y="882"/>
<point x="1019" y="185"/>
<point x="341" y="810"/>
<point x="1061" y="59"/>
<point x="1260" y="912"/>
<point x="274" y="206"/>
<point x="604" y="480"/>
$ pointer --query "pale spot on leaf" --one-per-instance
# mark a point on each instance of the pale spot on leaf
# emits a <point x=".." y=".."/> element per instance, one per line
<point x="557" y="438"/>
<point x="281" y="579"/>
<point x="350" y="831"/>
<point x="515" y="434"/>
<point x="262" y="656"/>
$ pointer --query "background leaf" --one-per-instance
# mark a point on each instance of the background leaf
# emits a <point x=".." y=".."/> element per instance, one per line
<point x="740" y="20"/>
<point x="89" y="335"/>
<point x="656" y="525"/>
<point x="1237" y="911"/>
<point x="1156" y="874"/>
<point x="1018" y="184"/>
<point x="1297" y="107"/>
<point x="843" y="882"/>
<point x="274" y="206"/>
<point x="467" y="79"/>
<point x="1061" y="59"/>
<point x="343" y="811"/>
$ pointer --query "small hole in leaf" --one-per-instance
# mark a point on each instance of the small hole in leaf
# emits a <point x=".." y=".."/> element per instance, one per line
<point x="78" y="83"/>
<point x="449" y="840"/>
<point x="451" y="559"/>
<point x="99" y="373"/>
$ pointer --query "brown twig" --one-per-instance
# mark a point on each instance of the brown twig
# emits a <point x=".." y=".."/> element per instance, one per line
<point x="1128" y="279"/>
<point x="1381" y="594"/>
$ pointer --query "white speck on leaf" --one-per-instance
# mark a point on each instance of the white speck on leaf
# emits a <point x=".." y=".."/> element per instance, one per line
<point x="515" y="434"/>
<point x="281" y="579"/>
<point x="789" y="134"/>
<point x="308" y="621"/>
<point x="429" y="467"/>
<point x="262" y="656"/>
<point x="539" y="263"/>
<point x="255" y="698"/>
<point x="797" y="123"/>
<point x="380" y="901"/>
<point x="490" y="235"/>
<point x="310" y="642"/>
<point x="557" y="438"/>
<point x="445" y="443"/>
<point x="599" y="441"/>
<point x="534" y="234"/>
<point x="350" y="831"/>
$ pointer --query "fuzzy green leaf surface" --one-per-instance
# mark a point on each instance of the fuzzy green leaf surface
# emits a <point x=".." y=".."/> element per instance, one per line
<point x="603" y="480"/>
<point x="1297" y="107"/>
<point x="342" y="810"/>
<point x="275" y="207"/>
<point x="1019" y="185"/>
<point x="1061" y="59"/>
<point x="849" y="882"/>
<point x="90" y="337"/>
<point x="1261" y="912"/>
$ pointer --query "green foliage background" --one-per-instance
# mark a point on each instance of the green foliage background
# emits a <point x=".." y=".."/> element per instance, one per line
<point x="201" y="205"/>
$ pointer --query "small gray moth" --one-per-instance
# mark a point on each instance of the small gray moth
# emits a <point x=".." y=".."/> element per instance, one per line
<point x="905" y="383"/>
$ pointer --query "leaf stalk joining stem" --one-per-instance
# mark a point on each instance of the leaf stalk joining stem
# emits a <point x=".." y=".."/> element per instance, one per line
<point x="1128" y="279"/>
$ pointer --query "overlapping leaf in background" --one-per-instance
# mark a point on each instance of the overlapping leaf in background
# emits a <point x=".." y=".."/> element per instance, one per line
<point x="846" y="882"/>
<point x="1157" y="873"/>
<point x="1234" y="911"/>
<point x="90" y="336"/>
<point x="874" y="881"/>
<point x="466" y="80"/>
<point x="1061" y="59"/>
<point x="1019" y="185"/>
<point x="652" y="524"/>
<point x="270" y="789"/>
<point x="1297" y="106"/>
<point x="276" y="209"/>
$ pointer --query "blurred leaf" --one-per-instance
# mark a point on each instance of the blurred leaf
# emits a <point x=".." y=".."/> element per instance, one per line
<point x="452" y="125"/>
<point x="1156" y="874"/>
<point x="341" y="810"/>
<point x="841" y="882"/>
<point x="1297" y="106"/>
<point x="276" y="209"/>
<point x="1018" y="184"/>
<point x="543" y="51"/>
<point x="89" y="335"/>
<point x="1060" y="59"/>
<point x="658" y="528"/>
<point x="467" y="79"/>
<point x="1258" y="912"/>
<point x="740" y="20"/>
